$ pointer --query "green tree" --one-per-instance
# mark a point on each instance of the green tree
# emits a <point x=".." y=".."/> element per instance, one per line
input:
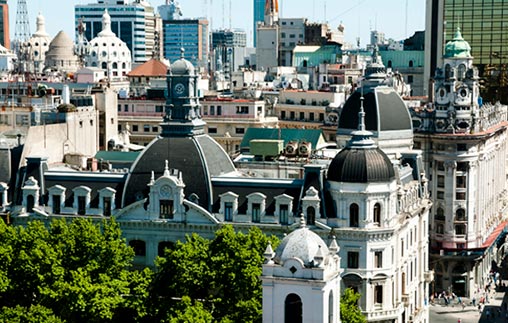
<point x="79" y="270"/>
<point x="33" y="314"/>
<point x="349" y="310"/>
<point x="222" y="274"/>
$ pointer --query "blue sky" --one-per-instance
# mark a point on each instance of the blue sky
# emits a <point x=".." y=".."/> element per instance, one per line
<point x="358" y="16"/>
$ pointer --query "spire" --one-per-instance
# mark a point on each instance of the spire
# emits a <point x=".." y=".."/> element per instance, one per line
<point x="319" y="257"/>
<point x="269" y="254"/>
<point x="271" y="12"/>
<point x="41" y="27"/>
<point x="361" y="137"/>
<point x="152" y="178"/>
<point x="334" y="247"/>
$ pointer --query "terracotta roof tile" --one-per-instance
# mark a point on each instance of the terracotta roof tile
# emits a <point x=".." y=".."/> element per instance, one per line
<point x="152" y="67"/>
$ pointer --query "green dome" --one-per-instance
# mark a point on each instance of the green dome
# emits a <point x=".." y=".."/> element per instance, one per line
<point x="457" y="47"/>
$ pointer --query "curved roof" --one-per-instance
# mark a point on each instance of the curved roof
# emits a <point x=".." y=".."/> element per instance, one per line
<point x="359" y="165"/>
<point x="457" y="47"/>
<point x="384" y="108"/>
<point x="62" y="43"/>
<point x="182" y="67"/>
<point x="198" y="158"/>
<point x="302" y="244"/>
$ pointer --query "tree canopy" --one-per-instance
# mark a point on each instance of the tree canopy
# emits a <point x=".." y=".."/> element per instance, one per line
<point x="349" y="310"/>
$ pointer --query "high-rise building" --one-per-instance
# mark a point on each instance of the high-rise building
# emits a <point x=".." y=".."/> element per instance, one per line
<point x="133" y="21"/>
<point x="259" y="15"/>
<point x="268" y="36"/>
<point x="189" y="34"/>
<point x="483" y="24"/>
<point x="4" y="24"/>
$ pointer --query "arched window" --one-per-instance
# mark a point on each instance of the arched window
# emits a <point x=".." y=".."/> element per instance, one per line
<point x="377" y="213"/>
<point x="104" y="65"/>
<point x="330" y="307"/>
<point x="139" y="247"/>
<point x="311" y="215"/>
<point x="305" y="63"/>
<point x="123" y="65"/>
<point x="354" y="220"/>
<point x="411" y="63"/>
<point x="30" y="203"/>
<point x="460" y="215"/>
<point x="115" y="65"/>
<point x="293" y="309"/>
<point x="462" y="72"/>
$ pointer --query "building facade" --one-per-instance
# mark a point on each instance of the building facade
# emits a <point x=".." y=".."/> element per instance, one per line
<point x="4" y="24"/>
<point x="464" y="141"/>
<point x="133" y="21"/>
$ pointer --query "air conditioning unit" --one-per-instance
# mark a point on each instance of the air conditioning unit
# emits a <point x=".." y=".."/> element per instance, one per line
<point x="304" y="149"/>
<point x="291" y="149"/>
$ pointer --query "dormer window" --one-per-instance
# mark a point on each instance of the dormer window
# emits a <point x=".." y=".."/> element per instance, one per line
<point x="81" y="199"/>
<point x="311" y="215"/>
<point x="283" y="208"/>
<point x="107" y="200"/>
<point x="256" y="207"/>
<point x="229" y="205"/>
<point x="56" y="198"/>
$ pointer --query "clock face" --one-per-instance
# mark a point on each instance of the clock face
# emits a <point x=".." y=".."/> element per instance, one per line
<point x="179" y="88"/>
<point x="165" y="191"/>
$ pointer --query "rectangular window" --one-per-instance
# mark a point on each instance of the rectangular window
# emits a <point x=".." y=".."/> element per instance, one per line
<point x="146" y="128"/>
<point x="311" y="116"/>
<point x="283" y="214"/>
<point x="302" y="115"/>
<point x="119" y="108"/>
<point x="256" y="212"/>
<point x="228" y="211"/>
<point x="378" y="291"/>
<point x="219" y="110"/>
<point x="292" y="115"/>
<point x="353" y="258"/>
<point x="135" y="128"/>
<point x="205" y="110"/>
<point x="440" y="195"/>
<point x="106" y="207"/>
<point x="283" y="115"/>
<point x="461" y="147"/>
<point x="126" y="108"/>
<point x="212" y="110"/>
<point x="155" y="129"/>
<point x="81" y="205"/>
<point x="460" y="196"/>
<point x="166" y="209"/>
<point x="378" y="259"/>
<point x="461" y="181"/>
<point x="462" y="166"/>
<point x="410" y="79"/>
<point x="440" y="165"/>
<point x="159" y="108"/>
<point x="321" y="117"/>
<point x="239" y="130"/>
<point x="56" y="204"/>
<point x="242" y="110"/>
<point x="440" y="181"/>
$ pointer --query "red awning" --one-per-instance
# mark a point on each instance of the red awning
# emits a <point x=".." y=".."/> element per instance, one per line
<point x="493" y="236"/>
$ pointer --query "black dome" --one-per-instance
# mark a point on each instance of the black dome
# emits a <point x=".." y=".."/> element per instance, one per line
<point x="360" y="165"/>
<point x="198" y="158"/>
<point x="384" y="109"/>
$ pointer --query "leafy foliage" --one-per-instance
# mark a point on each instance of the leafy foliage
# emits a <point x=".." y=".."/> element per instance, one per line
<point x="222" y="274"/>
<point x="77" y="270"/>
<point x="349" y="310"/>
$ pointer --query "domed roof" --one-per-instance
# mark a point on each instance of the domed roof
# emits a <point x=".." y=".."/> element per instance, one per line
<point x="61" y="43"/>
<point x="361" y="161"/>
<point x="457" y="47"/>
<point x="355" y="165"/>
<point x="198" y="158"/>
<point x="41" y="27"/>
<point x="302" y="244"/>
<point x="384" y="108"/>
<point x="182" y="66"/>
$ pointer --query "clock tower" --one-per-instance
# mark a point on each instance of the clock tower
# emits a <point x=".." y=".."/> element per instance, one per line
<point x="182" y="116"/>
<point x="456" y="89"/>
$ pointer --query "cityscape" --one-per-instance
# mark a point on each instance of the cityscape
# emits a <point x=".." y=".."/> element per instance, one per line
<point x="160" y="167"/>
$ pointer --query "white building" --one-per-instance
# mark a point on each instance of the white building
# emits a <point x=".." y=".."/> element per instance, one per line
<point x="109" y="52"/>
<point x="37" y="47"/>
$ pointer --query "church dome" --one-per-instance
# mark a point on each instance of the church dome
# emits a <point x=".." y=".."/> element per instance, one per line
<point x="38" y="45"/>
<point x="109" y="52"/>
<point x="302" y="244"/>
<point x="60" y="54"/>
<point x="457" y="47"/>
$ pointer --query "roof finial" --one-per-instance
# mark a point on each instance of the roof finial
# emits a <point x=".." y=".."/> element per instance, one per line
<point x="166" y="168"/>
<point x="361" y="113"/>
<point x="182" y="53"/>
<point x="152" y="178"/>
<point x="269" y="254"/>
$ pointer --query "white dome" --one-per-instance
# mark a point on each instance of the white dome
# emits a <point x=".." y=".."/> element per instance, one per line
<point x="109" y="52"/>
<point x="302" y="244"/>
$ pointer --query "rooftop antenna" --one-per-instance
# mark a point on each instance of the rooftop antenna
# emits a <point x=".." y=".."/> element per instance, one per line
<point x="22" y="28"/>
